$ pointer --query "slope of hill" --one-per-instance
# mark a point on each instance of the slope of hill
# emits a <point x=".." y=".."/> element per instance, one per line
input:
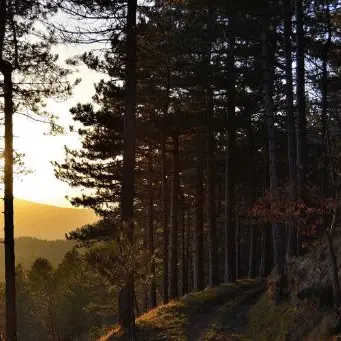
<point x="308" y="313"/>
<point x="212" y="314"/>
<point x="47" y="222"/>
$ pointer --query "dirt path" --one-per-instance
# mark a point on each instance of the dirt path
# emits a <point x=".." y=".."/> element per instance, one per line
<point x="227" y="321"/>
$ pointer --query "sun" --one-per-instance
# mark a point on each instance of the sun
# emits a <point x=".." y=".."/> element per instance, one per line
<point x="40" y="184"/>
<point x="42" y="188"/>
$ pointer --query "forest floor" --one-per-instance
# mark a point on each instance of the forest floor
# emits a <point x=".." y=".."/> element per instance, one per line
<point x="228" y="321"/>
<point x="212" y="314"/>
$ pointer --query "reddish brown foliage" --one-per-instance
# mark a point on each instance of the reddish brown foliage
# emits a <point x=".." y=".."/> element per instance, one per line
<point x="279" y="208"/>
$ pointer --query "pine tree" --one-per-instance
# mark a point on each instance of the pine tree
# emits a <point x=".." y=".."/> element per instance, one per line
<point x="18" y="54"/>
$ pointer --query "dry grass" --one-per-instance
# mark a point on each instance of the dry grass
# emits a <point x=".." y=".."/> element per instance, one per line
<point x="171" y="321"/>
<point x="288" y="322"/>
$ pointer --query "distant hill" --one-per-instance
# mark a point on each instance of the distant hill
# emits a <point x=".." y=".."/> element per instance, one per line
<point x="28" y="249"/>
<point x="45" y="221"/>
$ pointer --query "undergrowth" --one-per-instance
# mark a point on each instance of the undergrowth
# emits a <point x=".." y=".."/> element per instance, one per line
<point x="287" y="322"/>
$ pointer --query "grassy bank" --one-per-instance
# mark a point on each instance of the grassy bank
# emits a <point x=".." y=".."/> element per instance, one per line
<point x="306" y="320"/>
<point x="172" y="321"/>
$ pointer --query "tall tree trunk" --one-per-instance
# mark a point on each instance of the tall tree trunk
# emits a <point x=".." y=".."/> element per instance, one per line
<point x="199" y="282"/>
<point x="165" y="223"/>
<point x="252" y="254"/>
<point x="126" y="296"/>
<point x="263" y="258"/>
<point x="324" y="121"/>
<point x="290" y="116"/>
<point x="252" y="229"/>
<point x="6" y="70"/>
<point x="301" y="110"/>
<point x="212" y="221"/>
<point x="152" y="281"/>
<point x="136" y="305"/>
<point x="173" y="278"/>
<point x="145" y="295"/>
<point x="268" y="78"/>
<point x="267" y="251"/>
<point x="189" y="252"/>
<point x="145" y="299"/>
<point x="11" y="327"/>
<point x="262" y="266"/>
<point x="238" y="260"/>
<point x="211" y="146"/>
<point x="266" y="237"/>
<point x="230" y="224"/>
<point x="324" y="114"/>
<point x="184" y="251"/>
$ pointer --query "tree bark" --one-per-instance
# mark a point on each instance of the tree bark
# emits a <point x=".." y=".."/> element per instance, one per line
<point x="252" y="230"/>
<point x="230" y="224"/>
<point x="189" y="252"/>
<point x="324" y="113"/>
<point x="324" y="120"/>
<point x="252" y="254"/>
<point x="290" y="117"/>
<point x="136" y="305"/>
<point x="152" y="281"/>
<point x="238" y="257"/>
<point x="212" y="221"/>
<point x="199" y="218"/>
<point x="184" y="250"/>
<point x="173" y="278"/>
<point x="6" y="69"/>
<point x="211" y="174"/>
<point x="301" y="143"/>
<point x="268" y="78"/>
<point x="165" y="223"/>
<point x="126" y="295"/>
<point x="267" y="256"/>
<point x="126" y="308"/>
<point x="263" y="260"/>
<point x="11" y="325"/>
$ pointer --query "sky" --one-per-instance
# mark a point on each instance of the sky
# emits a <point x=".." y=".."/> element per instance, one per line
<point x="40" y="149"/>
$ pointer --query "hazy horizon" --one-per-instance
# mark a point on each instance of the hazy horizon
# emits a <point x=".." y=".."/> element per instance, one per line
<point x="47" y="222"/>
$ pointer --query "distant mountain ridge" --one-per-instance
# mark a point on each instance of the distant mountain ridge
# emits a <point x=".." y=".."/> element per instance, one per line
<point x="45" y="221"/>
<point x="28" y="249"/>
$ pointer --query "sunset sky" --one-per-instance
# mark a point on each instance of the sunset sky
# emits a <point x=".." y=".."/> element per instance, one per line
<point x="40" y="149"/>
